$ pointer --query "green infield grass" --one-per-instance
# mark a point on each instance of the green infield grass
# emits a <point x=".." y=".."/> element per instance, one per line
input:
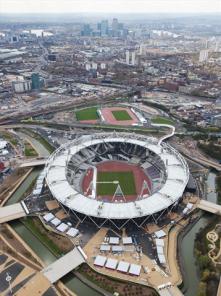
<point x="87" y="114"/>
<point x="125" y="179"/>
<point x="121" y="115"/>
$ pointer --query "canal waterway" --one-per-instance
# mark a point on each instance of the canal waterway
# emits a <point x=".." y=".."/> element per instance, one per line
<point x="191" y="274"/>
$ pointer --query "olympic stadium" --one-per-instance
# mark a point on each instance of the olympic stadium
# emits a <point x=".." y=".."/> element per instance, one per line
<point x="117" y="178"/>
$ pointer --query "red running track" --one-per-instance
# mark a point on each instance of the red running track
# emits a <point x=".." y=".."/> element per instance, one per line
<point x="118" y="166"/>
<point x="109" y="117"/>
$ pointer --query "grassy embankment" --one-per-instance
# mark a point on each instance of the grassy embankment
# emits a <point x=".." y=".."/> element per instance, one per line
<point x="39" y="138"/>
<point x="9" y="137"/>
<point x="34" y="227"/>
<point x="162" y="120"/>
<point x="29" y="150"/>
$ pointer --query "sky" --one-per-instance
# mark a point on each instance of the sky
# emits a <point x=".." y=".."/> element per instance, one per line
<point x="110" y="6"/>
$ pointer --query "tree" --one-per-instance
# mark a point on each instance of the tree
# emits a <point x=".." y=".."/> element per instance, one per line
<point x="202" y="289"/>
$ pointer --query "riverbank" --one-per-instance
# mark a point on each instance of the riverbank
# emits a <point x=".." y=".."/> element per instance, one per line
<point x="180" y="255"/>
<point x="14" y="187"/>
<point x="113" y="285"/>
<point x="209" y="272"/>
<point x="37" y="137"/>
<point x="218" y="188"/>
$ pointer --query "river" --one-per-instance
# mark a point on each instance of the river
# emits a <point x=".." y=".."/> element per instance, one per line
<point x="191" y="277"/>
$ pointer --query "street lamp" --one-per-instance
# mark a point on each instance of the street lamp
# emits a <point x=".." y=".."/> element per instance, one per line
<point x="8" y="279"/>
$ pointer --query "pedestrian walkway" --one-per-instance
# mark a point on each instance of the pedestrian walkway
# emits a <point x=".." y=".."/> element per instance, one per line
<point x="11" y="212"/>
<point x="64" y="265"/>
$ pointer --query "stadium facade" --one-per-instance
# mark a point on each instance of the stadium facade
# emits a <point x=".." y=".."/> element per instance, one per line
<point x="166" y="168"/>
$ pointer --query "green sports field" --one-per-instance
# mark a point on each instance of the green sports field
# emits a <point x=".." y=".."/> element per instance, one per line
<point x="162" y="120"/>
<point x="126" y="181"/>
<point x="121" y="115"/>
<point x="87" y="114"/>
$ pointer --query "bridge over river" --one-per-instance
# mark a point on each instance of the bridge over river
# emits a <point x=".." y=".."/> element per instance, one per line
<point x="12" y="212"/>
<point x="64" y="264"/>
<point x="209" y="207"/>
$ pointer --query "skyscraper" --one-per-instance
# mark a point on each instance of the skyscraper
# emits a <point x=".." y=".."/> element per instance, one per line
<point x="115" y="24"/>
<point x="37" y="82"/>
<point x="115" y="27"/>
<point x="104" y="28"/>
<point x="86" y="31"/>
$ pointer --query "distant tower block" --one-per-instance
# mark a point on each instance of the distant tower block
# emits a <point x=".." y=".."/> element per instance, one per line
<point x="127" y="57"/>
<point x="216" y="49"/>
<point x="142" y="48"/>
<point x="133" y="58"/>
<point x="130" y="58"/>
<point x="203" y="56"/>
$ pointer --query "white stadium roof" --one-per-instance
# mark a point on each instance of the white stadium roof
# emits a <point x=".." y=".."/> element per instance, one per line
<point x="176" y="169"/>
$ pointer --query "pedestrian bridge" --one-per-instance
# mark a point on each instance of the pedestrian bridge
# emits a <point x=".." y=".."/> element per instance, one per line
<point x="209" y="207"/>
<point x="32" y="163"/>
<point x="12" y="212"/>
<point x="167" y="136"/>
<point x="64" y="265"/>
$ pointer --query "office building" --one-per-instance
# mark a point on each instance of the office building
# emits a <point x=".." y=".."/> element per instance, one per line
<point x="21" y="86"/>
<point x="127" y="57"/>
<point x="37" y="81"/>
<point x="133" y="58"/>
<point x="104" y="29"/>
<point x="130" y="58"/>
<point x="203" y="56"/>
<point x="86" y="31"/>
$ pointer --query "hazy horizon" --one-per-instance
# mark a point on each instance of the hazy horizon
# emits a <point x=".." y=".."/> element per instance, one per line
<point x="110" y="6"/>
